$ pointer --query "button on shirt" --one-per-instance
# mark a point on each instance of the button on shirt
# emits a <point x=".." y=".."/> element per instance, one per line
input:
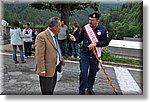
<point x="52" y="34"/>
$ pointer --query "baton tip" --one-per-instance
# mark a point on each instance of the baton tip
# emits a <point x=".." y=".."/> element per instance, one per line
<point x="115" y="93"/>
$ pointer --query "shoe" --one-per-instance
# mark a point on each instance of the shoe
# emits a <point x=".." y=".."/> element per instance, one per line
<point x="29" y="56"/>
<point x="26" y="57"/>
<point x="16" y="62"/>
<point x="90" y="92"/>
<point x="72" y="56"/>
<point x="81" y="93"/>
<point x="23" y="62"/>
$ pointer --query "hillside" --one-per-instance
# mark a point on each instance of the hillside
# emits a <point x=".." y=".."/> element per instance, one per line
<point x="121" y="20"/>
<point x="24" y="14"/>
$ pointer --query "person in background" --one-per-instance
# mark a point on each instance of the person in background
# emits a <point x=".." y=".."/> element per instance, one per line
<point x="48" y="56"/>
<point x="27" y="32"/>
<point x="34" y="35"/>
<point x="75" y="46"/>
<point x="62" y="39"/>
<point x="16" y="41"/>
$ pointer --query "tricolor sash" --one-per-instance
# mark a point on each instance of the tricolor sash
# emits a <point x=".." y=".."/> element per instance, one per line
<point x="92" y="37"/>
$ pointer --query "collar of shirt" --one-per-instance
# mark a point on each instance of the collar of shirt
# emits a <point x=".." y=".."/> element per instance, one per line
<point x="52" y="34"/>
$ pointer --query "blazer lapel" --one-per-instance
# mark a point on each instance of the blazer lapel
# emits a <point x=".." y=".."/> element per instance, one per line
<point x="49" y="37"/>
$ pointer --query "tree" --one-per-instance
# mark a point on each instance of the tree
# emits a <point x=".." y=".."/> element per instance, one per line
<point x="126" y="21"/>
<point x="65" y="9"/>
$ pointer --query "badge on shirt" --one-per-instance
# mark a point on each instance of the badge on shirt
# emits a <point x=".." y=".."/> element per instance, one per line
<point x="107" y="34"/>
<point x="99" y="32"/>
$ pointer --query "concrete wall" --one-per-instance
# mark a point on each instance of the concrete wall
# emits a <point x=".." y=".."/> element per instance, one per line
<point x="5" y="35"/>
<point x="132" y="39"/>
<point x="128" y="52"/>
<point x="126" y="48"/>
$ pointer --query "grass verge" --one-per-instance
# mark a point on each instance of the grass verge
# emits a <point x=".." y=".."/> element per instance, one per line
<point x="107" y="56"/>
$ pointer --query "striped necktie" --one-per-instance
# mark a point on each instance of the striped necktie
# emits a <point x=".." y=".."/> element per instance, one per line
<point x="58" y="48"/>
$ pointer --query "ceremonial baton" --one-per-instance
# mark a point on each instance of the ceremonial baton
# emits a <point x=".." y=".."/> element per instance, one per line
<point x="104" y="70"/>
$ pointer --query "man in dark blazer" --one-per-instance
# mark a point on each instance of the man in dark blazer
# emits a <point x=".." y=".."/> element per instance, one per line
<point x="48" y="56"/>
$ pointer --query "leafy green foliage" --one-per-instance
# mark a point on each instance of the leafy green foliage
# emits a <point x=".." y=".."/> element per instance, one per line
<point x="58" y="7"/>
<point x="39" y="16"/>
<point x="24" y="14"/>
<point x="126" y="21"/>
<point x="105" y="54"/>
<point x="65" y="9"/>
<point x="123" y="20"/>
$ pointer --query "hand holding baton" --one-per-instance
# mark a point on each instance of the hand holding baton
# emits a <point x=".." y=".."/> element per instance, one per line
<point x="104" y="70"/>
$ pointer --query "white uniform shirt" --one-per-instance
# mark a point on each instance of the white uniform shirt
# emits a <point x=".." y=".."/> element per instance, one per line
<point x="27" y="37"/>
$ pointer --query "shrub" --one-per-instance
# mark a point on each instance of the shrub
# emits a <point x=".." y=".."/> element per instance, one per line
<point x="106" y="55"/>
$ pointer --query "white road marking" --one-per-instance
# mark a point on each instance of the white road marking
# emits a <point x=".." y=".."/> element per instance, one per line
<point x="6" y="54"/>
<point x="9" y="54"/>
<point x="134" y="69"/>
<point x="126" y="82"/>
